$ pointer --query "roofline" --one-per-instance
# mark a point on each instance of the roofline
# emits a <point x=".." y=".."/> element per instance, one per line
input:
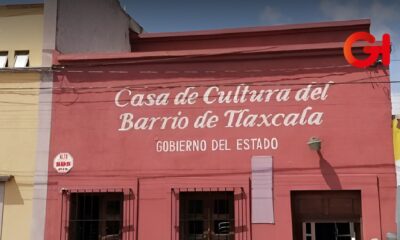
<point x="24" y="70"/>
<point x="5" y="178"/>
<point x="319" y="49"/>
<point x="19" y="6"/>
<point x="303" y="49"/>
<point x="261" y="29"/>
<point x="133" y="24"/>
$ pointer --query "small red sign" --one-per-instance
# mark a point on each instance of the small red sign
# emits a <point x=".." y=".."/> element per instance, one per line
<point x="63" y="162"/>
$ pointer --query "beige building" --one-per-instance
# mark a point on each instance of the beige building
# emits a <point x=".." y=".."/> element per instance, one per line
<point x="30" y="35"/>
<point x="21" y="30"/>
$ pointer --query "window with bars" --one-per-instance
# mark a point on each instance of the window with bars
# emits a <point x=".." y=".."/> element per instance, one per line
<point x="207" y="215"/>
<point x="97" y="214"/>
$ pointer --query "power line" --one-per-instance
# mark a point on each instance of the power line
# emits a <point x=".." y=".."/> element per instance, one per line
<point x="77" y="69"/>
<point x="77" y="92"/>
<point x="206" y="83"/>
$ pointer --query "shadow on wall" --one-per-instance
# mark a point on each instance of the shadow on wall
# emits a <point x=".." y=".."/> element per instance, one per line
<point x="329" y="174"/>
<point x="12" y="194"/>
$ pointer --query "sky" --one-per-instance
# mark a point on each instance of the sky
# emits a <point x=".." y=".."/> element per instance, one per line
<point x="186" y="15"/>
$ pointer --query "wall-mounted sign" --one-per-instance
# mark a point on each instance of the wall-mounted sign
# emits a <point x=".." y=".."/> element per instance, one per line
<point x="63" y="162"/>
<point x="234" y="116"/>
<point x="222" y="108"/>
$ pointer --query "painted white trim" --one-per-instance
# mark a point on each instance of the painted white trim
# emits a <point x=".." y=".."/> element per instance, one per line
<point x="2" y="191"/>
<point x="44" y="126"/>
<point x="395" y="103"/>
<point x="49" y="32"/>
<point x="312" y="228"/>
<point x="42" y="158"/>
<point x="397" y="163"/>
<point x="352" y="232"/>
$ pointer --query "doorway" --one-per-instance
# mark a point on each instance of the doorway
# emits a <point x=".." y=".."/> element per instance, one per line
<point x="326" y="215"/>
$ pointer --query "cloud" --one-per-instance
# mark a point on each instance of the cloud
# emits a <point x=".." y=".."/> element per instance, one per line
<point x="340" y="11"/>
<point x="384" y="17"/>
<point x="271" y="15"/>
<point x="383" y="14"/>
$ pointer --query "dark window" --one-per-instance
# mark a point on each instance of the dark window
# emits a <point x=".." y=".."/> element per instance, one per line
<point x="96" y="216"/>
<point x="330" y="231"/>
<point x="206" y="215"/>
<point x="221" y="206"/>
<point x="195" y="226"/>
<point x="195" y="206"/>
<point x="21" y="59"/>
<point x="3" y="59"/>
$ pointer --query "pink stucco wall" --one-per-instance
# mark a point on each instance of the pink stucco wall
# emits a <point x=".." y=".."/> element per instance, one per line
<point x="354" y="128"/>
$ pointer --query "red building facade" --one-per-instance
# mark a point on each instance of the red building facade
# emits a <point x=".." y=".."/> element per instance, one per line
<point x="203" y="135"/>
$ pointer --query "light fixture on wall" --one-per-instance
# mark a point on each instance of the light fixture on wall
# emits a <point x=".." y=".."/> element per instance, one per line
<point x="314" y="143"/>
